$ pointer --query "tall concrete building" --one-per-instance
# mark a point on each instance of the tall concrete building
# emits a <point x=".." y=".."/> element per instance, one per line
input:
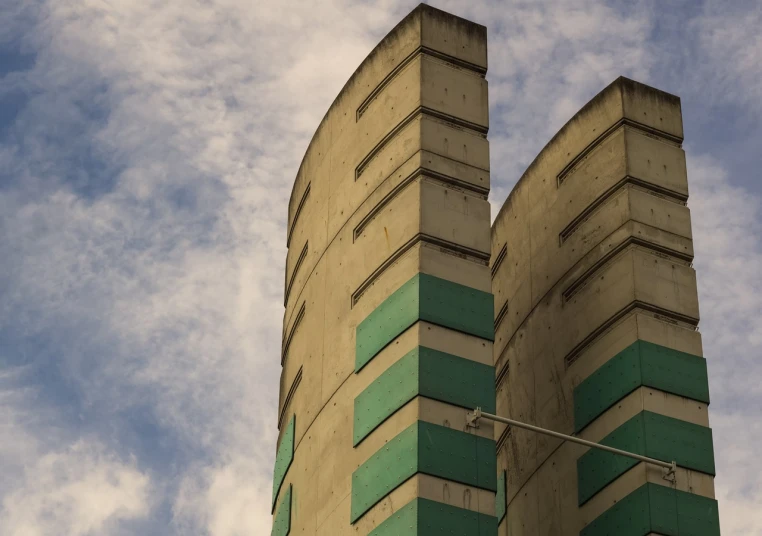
<point x="404" y="310"/>
<point x="596" y="316"/>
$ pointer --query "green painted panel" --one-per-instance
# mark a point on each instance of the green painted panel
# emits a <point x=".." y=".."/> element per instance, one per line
<point x="640" y="364"/>
<point x="596" y="468"/>
<point x="662" y="507"/>
<point x="283" y="458"/>
<point x="397" y="386"/>
<point x="458" y="307"/>
<point x="697" y="516"/>
<point x="429" y="298"/>
<point x="658" y="509"/>
<point x="456" y="380"/>
<point x="486" y="462"/>
<point x="422" y="517"/>
<point x="282" y="522"/>
<point x="458" y="456"/>
<point x="675" y="372"/>
<point x="690" y="445"/>
<point x="389" y="467"/>
<point x="648" y="434"/>
<point x="501" y="504"/>
<point x="387" y="321"/>
<point x="403" y="522"/>
<point x="614" y="380"/>
<point x="426" y="448"/>
<point x="628" y="517"/>
<point x="426" y="372"/>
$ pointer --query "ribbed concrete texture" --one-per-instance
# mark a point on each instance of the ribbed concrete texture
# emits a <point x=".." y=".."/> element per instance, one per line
<point x="596" y="317"/>
<point x="388" y="330"/>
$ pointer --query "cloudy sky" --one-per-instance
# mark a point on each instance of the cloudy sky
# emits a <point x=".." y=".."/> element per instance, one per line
<point x="147" y="151"/>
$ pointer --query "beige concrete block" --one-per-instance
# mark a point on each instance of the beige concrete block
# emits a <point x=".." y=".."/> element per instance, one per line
<point x="475" y="178"/>
<point x="669" y="334"/>
<point x="641" y="399"/>
<point x="653" y="108"/>
<point x="454" y="494"/>
<point x="454" y="342"/>
<point x="635" y="326"/>
<point x="454" y="215"/>
<point x="453" y="417"/>
<point x="656" y="161"/>
<point x="454" y="91"/>
<point x="601" y="168"/>
<point x="453" y="266"/>
<point x="460" y="145"/>
<point x="665" y="283"/>
<point x="454" y="36"/>
<point x="609" y="344"/>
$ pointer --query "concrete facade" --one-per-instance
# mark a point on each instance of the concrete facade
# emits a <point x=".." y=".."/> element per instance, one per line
<point x="576" y="311"/>
<point x="388" y="329"/>
<point x="596" y="316"/>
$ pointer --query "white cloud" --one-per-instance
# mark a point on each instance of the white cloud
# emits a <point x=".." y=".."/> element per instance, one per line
<point x="78" y="491"/>
<point x="730" y="68"/>
<point x="727" y="225"/>
<point x="227" y="500"/>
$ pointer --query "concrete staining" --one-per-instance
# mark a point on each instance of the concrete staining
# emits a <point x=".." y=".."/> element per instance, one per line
<point x="403" y="310"/>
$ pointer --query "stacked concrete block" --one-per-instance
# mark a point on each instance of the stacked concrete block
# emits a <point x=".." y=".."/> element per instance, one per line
<point x="388" y="327"/>
<point x="577" y="312"/>
<point x="596" y="316"/>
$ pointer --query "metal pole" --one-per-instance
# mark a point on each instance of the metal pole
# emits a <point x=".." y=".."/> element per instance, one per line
<point x="473" y="418"/>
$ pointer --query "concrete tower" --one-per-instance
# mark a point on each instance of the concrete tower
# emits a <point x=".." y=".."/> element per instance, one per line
<point x="596" y="317"/>
<point x="391" y="332"/>
<point x="388" y="328"/>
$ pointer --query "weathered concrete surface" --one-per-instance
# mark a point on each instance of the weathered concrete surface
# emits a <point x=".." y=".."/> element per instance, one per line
<point x="394" y="182"/>
<point x="591" y="252"/>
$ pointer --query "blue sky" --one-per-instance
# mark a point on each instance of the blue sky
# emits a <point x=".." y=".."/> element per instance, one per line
<point x="147" y="151"/>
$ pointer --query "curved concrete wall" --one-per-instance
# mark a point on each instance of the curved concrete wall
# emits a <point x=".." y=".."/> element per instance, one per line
<point x="596" y="316"/>
<point x="388" y="329"/>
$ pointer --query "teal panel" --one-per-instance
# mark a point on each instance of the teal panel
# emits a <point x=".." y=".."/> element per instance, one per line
<point x="429" y="373"/>
<point x="501" y="504"/>
<point x="690" y="445"/>
<point x="675" y="372"/>
<point x="422" y="517"/>
<point x="486" y="462"/>
<point x="648" y="434"/>
<point x="458" y="307"/>
<point x="697" y="516"/>
<point x="282" y="522"/>
<point x="397" y="386"/>
<point x="426" y="448"/>
<point x="628" y="517"/>
<point x="640" y="364"/>
<point x="614" y="380"/>
<point x="662" y="507"/>
<point x="387" y="321"/>
<point x="403" y="522"/>
<point x="658" y="509"/>
<point x="428" y="298"/>
<point x="389" y="467"/>
<point x="458" y="456"/>
<point x="596" y="468"/>
<point x="283" y="458"/>
<point x="458" y="381"/>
